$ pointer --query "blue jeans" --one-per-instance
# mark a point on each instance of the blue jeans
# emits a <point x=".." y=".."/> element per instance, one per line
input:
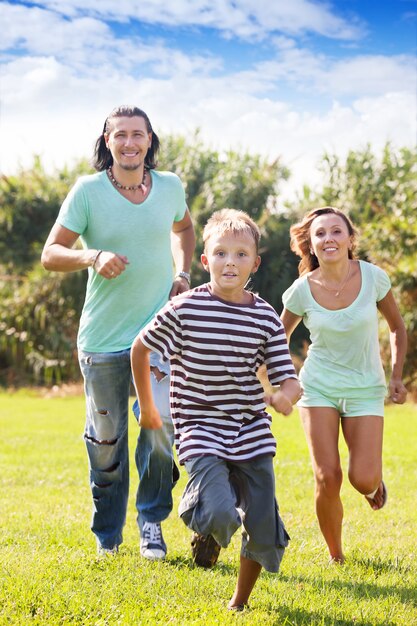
<point x="107" y="380"/>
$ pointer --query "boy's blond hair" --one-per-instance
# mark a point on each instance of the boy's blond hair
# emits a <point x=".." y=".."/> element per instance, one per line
<point x="231" y="221"/>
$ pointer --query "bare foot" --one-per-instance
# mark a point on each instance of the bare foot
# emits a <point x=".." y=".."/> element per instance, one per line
<point x="378" y="500"/>
<point x="337" y="560"/>
<point x="237" y="607"/>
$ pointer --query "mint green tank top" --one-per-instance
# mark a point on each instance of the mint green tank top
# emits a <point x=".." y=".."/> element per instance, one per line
<point x="344" y="355"/>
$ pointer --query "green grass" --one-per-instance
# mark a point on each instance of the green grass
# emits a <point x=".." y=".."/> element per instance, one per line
<point x="50" y="573"/>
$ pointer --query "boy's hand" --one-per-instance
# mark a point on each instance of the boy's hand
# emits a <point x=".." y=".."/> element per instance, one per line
<point x="279" y="402"/>
<point x="150" y="418"/>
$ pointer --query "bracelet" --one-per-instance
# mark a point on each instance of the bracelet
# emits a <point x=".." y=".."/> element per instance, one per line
<point x="95" y="258"/>
<point x="185" y="275"/>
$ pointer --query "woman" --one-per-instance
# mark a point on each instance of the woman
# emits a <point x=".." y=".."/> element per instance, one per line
<point x="342" y="377"/>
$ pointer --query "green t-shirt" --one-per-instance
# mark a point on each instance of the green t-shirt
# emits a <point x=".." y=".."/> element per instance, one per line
<point x="344" y="356"/>
<point x="115" y="310"/>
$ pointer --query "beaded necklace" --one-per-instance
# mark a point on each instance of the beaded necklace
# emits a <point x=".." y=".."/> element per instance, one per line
<point x="141" y="185"/>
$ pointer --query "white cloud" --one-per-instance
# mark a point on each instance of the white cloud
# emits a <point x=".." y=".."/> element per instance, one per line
<point x="45" y="32"/>
<point x="60" y="115"/>
<point x="89" y="45"/>
<point x="318" y="74"/>
<point x="243" y="18"/>
<point x="69" y="73"/>
<point x="372" y="75"/>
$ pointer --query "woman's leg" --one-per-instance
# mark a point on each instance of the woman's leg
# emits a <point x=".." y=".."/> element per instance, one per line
<point x="248" y="575"/>
<point x="321" y="427"/>
<point x="363" y="436"/>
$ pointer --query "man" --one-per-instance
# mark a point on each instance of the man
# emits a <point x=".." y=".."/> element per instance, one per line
<point x="133" y="223"/>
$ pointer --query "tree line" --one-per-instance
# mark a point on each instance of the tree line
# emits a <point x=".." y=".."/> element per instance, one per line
<point x="39" y="310"/>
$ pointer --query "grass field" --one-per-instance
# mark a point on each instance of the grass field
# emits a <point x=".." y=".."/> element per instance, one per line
<point x="50" y="573"/>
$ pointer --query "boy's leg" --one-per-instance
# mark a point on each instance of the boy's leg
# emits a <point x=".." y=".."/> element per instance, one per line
<point x="208" y="503"/>
<point x="264" y="537"/>
<point x="157" y="472"/>
<point x="248" y="575"/>
<point x="106" y="384"/>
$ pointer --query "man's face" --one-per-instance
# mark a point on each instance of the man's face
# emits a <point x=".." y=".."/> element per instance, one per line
<point x="128" y="141"/>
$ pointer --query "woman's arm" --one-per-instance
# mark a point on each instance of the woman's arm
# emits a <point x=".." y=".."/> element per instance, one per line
<point x="398" y="341"/>
<point x="290" y="322"/>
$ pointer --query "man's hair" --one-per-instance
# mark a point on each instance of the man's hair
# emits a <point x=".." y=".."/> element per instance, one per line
<point x="102" y="158"/>
<point x="231" y="221"/>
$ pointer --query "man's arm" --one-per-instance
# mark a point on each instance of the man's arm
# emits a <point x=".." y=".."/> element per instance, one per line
<point x="58" y="255"/>
<point x="139" y="357"/>
<point x="182" y="247"/>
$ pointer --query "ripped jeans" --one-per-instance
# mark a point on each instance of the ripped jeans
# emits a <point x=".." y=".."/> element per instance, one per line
<point x="107" y="379"/>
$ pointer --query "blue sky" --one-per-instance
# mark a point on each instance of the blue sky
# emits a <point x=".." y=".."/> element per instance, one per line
<point x="284" y="78"/>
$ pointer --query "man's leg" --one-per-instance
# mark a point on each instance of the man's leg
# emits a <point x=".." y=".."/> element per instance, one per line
<point x="107" y="383"/>
<point x="157" y="472"/>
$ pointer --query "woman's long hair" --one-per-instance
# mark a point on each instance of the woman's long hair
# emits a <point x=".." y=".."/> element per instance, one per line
<point x="103" y="159"/>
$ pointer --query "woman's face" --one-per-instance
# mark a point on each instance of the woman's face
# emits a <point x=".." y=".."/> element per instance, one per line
<point x="329" y="238"/>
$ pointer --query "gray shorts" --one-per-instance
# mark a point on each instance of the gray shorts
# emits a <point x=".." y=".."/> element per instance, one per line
<point x="222" y="495"/>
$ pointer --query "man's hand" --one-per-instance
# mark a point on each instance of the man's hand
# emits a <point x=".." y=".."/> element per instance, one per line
<point x="179" y="286"/>
<point x="110" y="265"/>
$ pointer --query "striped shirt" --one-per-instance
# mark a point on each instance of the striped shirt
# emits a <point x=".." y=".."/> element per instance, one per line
<point x="215" y="349"/>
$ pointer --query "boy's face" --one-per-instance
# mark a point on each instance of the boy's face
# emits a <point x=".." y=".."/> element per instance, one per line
<point x="230" y="258"/>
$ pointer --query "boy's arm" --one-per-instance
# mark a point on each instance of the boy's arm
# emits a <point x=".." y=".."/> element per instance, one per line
<point x="139" y="357"/>
<point x="287" y="395"/>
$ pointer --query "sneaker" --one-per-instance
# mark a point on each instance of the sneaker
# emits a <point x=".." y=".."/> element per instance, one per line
<point x="107" y="551"/>
<point x="152" y="544"/>
<point x="205" y="550"/>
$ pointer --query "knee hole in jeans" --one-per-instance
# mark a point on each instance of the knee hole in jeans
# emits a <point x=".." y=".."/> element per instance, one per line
<point x="101" y="442"/>
<point x="107" y="470"/>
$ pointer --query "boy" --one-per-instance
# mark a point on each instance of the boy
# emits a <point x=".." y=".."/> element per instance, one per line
<point x="216" y="337"/>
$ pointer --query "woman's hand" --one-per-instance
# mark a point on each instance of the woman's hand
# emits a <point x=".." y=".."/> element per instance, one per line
<point x="397" y="391"/>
